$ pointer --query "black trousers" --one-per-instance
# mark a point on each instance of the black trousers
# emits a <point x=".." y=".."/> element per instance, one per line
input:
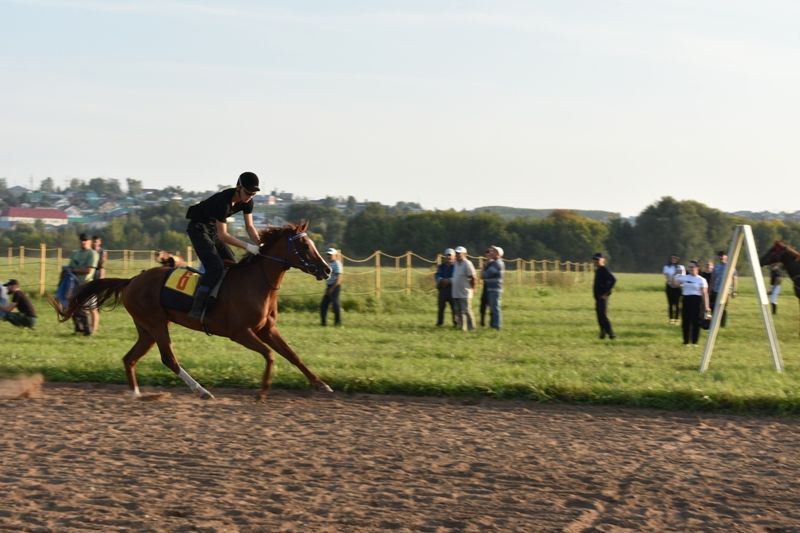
<point x="211" y="251"/>
<point x="674" y="302"/>
<point x="690" y="319"/>
<point x="601" y="308"/>
<point x="331" y="299"/>
<point x="712" y="299"/>
<point x="445" y="298"/>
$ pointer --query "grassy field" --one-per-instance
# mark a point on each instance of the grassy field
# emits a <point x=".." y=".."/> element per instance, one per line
<point x="548" y="350"/>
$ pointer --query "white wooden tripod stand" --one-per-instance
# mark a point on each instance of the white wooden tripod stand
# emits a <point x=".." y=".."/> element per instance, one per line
<point x="742" y="234"/>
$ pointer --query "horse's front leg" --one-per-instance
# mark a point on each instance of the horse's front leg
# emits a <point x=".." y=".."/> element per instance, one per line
<point x="274" y="340"/>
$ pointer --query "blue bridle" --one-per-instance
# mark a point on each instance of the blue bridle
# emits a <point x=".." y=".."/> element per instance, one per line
<point x="292" y="249"/>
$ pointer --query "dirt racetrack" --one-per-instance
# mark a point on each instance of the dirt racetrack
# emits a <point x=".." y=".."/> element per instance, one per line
<point x="86" y="457"/>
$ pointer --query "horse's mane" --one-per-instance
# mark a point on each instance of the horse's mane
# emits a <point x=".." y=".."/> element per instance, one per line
<point x="794" y="253"/>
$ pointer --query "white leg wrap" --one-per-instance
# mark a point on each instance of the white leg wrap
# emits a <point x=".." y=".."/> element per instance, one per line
<point x="135" y="392"/>
<point x="194" y="386"/>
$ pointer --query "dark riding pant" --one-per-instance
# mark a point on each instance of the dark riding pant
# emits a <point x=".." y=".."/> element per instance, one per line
<point x="484" y="305"/>
<point x="211" y="251"/>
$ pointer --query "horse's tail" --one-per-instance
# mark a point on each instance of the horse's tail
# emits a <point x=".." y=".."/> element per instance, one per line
<point x="96" y="292"/>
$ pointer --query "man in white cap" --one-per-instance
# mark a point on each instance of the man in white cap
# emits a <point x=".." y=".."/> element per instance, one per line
<point x="492" y="276"/>
<point x="332" y="289"/>
<point x="444" y="274"/>
<point x="463" y="284"/>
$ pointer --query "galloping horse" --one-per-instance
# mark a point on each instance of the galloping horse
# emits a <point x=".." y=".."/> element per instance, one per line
<point x="246" y="310"/>
<point x="789" y="258"/>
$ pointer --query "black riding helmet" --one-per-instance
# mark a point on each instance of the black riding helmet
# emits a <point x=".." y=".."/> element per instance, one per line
<point x="249" y="181"/>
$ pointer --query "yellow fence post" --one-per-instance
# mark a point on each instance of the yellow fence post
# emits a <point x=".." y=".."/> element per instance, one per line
<point x="378" y="275"/>
<point x="22" y="259"/>
<point x="397" y="264"/>
<point x="59" y="261"/>
<point x="10" y="256"/>
<point x="519" y="271"/>
<point x="408" y="273"/>
<point x="42" y="270"/>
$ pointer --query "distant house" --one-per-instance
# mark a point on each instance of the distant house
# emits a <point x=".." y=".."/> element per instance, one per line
<point x="29" y="215"/>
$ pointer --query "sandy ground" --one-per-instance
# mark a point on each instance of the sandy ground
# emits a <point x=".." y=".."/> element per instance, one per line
<point x="89" y="458"/>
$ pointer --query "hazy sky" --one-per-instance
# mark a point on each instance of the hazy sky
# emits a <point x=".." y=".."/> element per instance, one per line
<point x="596" y="104"/>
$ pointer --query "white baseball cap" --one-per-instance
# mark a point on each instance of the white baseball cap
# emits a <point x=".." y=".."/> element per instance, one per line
<point x="449" y="251"/>
<point x="498" y="250"/>
<point x="461" y="250"/>
<point x="331" y="251"/>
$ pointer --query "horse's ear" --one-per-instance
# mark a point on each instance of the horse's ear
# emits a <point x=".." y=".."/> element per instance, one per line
<point x="303" y="225"/>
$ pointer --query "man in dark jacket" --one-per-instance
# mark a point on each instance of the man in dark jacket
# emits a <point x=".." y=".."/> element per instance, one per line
<point x="604" y="282"/>
<point x="20" y="311"/>
<point x="443" y="275"/>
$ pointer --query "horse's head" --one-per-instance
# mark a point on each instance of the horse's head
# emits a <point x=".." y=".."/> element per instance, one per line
<point x="292" y="246"/>
<point x="774" y="254"/>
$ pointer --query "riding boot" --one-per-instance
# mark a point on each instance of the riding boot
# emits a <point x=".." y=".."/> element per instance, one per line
<point x="199" y="303"/>
<point x="774" y="309"/>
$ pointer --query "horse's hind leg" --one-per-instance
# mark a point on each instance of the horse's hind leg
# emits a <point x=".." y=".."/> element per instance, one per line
<point x="137" y="351"/>
<point x="170" y="361"/>
<point x="273" y="339"/>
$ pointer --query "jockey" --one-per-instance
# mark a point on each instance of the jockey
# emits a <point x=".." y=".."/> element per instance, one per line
<point x="208" y="231"/>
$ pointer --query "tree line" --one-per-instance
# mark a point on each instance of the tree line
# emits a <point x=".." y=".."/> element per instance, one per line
<point x="689" y="229"/>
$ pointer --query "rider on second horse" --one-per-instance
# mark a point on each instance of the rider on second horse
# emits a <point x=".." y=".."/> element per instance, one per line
<point x="208" y="232"/>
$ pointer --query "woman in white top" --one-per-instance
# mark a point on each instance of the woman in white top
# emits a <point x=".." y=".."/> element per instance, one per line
<point x="671" y="270"/>
<point x="694" y="289"/>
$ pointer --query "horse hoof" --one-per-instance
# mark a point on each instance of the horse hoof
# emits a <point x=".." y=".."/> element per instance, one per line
<point x="206" y="396"/>
<point x="324" y="387"/>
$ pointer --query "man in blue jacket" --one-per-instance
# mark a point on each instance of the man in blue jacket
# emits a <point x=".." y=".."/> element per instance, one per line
<point x="443" y="275"/>
<point x="492" y="275"/>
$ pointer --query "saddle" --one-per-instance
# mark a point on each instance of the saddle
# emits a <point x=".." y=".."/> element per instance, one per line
<point x="181" y="284"/>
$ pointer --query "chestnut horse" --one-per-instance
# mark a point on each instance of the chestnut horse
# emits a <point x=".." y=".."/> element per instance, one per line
<point x="246" y="310"/>
<point x="789" y="258"/>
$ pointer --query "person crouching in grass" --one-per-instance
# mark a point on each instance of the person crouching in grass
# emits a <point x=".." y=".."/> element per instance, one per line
<point x="20" y="311"/>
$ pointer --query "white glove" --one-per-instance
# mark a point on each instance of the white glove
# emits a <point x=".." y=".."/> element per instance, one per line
<point x="252" y="248"/>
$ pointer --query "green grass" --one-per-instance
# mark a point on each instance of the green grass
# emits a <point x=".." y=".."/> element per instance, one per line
<point x="547" y="351"/>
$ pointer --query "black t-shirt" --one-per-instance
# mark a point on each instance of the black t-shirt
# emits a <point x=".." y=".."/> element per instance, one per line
<point x="218" y="208"/>
<point x="24" y="304"/>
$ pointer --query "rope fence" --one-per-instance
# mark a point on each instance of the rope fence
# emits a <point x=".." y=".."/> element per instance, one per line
<point x="374" y="275"/>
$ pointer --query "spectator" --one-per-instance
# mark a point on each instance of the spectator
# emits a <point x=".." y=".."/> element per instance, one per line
<point x="484" y="305"/>
<point x="20" y="311"/>
<point x="102" y="257"/>
<point x="694" y="290"/>
<point x="775" y="279"/>
<point x="708" y="271"/>
<point x="3" y="300"/>
<point x="492" y="275"/>
<point x="463" y="285"/>
<point x="604" y="282"/>
<point x="99" y="273"/>
<point x="672" y="269"/>
<point x="83" y="263"/>
<point x="443" y="276"/>
<point x="716" y="284"/>
<point x="332" y="289"/>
